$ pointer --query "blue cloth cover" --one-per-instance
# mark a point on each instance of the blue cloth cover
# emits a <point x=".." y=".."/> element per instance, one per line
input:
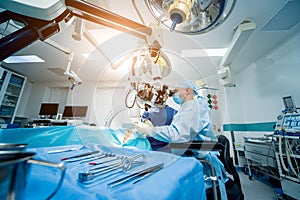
<point x="187" y="182"/>
<point x="41" y="136"/>
<point x="181" y="178"/>
<point x="70" y="135"/>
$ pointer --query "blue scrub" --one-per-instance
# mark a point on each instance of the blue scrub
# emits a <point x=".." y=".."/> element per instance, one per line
<point x="192" y="122"/>
<point x="159" y="117"/>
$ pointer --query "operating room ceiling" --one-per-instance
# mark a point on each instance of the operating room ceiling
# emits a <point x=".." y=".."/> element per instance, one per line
<point x="91" y="63"/>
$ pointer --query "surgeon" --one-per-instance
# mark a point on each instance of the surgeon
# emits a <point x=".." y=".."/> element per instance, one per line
<point x="192" y="121"/>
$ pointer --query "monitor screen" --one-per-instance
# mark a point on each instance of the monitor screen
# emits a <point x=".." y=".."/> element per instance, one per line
<point x="75" y="111"/>
<point x="49" y="109"/>
<point x="289" y="104"/>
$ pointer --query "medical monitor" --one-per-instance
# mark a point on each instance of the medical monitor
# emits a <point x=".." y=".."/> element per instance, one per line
<point x="48" y="109"/>
<point x="289" y="104"/>
<point x="75" y="111"/>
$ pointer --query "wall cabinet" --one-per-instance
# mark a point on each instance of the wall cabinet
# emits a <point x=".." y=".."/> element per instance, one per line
<point x="11" y="88"/>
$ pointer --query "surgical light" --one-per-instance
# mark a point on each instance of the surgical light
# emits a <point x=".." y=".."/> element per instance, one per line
<point x="191" y="16"/>
<point x="148" y="63"/>
<point x="154" y="64"/>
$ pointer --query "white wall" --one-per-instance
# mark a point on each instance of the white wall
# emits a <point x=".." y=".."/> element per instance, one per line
<point x="261" y="86"/>
<point x="34" y="101"/>
<point x="37" y="92"/>
<point x="90" y="93"/>
<point x="83" y="95"/>
<point x="259" y="89"/>
<point x="24" y="99"/>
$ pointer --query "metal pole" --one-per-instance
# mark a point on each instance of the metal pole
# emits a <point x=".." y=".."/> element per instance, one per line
<point x="213" y="175"/>
<point x="16" y="41"/>
<point x="108" y="16"/>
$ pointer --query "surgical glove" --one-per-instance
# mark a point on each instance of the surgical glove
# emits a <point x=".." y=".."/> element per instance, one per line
<point x="144" y="128"/>
<point x="128" y="135"/>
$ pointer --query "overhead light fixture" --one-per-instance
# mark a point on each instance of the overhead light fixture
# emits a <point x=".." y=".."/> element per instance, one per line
<point x="163" y="66"/>
<point x="191" y="16"/>
<point x="286" y="18"/>
<point x="188" y="53"/>
<point x="23" y="59"/>
<point x="242" y="33"/>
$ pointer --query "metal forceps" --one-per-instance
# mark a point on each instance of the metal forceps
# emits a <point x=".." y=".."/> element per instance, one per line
<point x="125" y="164"/>
<point x="98" y="157"/>
<point x="79" y="157"/>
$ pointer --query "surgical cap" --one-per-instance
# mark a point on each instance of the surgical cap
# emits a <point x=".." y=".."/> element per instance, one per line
<point x="186" y="84"/>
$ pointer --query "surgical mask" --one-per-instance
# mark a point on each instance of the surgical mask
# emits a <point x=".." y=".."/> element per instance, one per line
<point x="177" y="99"/>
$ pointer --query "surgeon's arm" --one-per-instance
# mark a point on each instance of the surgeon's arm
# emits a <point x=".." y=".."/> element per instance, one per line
<point x="184" y="122"/>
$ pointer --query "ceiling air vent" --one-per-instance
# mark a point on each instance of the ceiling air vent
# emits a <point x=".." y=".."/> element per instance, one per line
<point x="287" y="17"/>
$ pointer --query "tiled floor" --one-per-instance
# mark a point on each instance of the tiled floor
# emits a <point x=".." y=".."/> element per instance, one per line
<point x="255" y="189"/>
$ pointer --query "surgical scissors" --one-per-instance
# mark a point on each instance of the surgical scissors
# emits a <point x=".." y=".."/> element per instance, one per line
<point x="125" y="164"/>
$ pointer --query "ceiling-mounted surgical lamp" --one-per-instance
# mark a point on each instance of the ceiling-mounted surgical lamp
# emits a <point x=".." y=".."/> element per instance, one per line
<point x="153" y="63"/>
<point x="190" y="16"/>
<point x="145" y="63"/>
<point x="147" y="67"/>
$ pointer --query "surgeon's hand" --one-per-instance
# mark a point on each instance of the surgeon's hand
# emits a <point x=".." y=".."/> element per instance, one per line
<point x="144" y="128"/>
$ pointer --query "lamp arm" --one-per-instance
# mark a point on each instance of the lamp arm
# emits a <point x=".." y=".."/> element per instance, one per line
<point x="70" y="59"/>
<point x="71" y="75"/>
<point x="99" y="15"/>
